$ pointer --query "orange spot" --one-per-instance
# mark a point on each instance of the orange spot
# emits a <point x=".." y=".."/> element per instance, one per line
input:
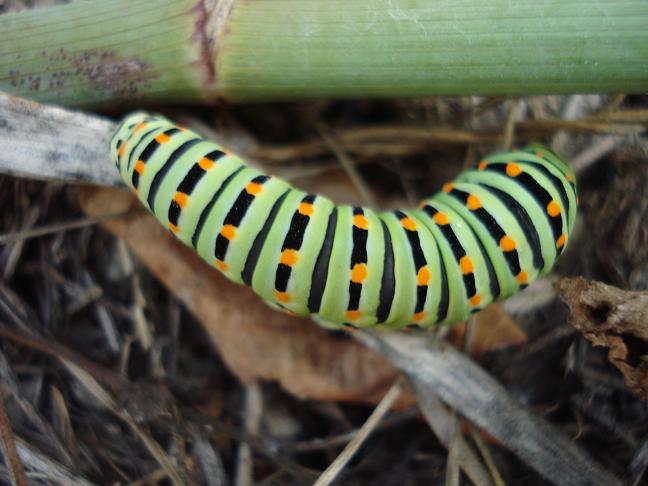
<point x="228" y="231"/>
<point x="289" y="257"/>
<point x="540" y="154"/>
<point x="253" y="188"/>
<point x="359" y="273"/>
<point x="507" y="243"/>
<point x="448" y="186"/>
<point x="139" y="126"/>
<point x="482" y="165"/>
<point x="418" y="316"/>
<point x="560" y="242"/>
<point x="569" y="177"/>
<point x="513" y="170"/>
<point x="122" y="149"/>
<point x="282" y="297"/>
<point x="577" y="201"/>
<point x="305" y="209"/>
<point x="408" y="224"/>
<point x="440" y="218"/>
<point x="423" y="276"/>
<point x="205" y="163"/>
<point x="475" y="300"/>
<point x="466" y="264"/>
<point x="181" y="199"/>
<point x="222" y="266"/>
<point x="139" y="167"/>
<point x="162" y="138"/>
<point x="360" y="221"/>
<point x="174" y="228"/>
<point x="473" y="202"/>
<point x="522" y="277"/>
<point x="422" y="204"/>
<point x="553" y="209"/>
<point x="353" y="314"/>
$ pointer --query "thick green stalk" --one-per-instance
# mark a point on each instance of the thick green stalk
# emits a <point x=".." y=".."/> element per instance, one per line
<point x="195" y="50"/>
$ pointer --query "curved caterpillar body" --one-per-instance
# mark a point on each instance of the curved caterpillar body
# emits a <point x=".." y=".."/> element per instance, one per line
<point x="484" y="237"/>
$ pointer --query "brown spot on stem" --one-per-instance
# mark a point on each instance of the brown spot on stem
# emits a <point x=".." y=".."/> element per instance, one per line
<point x="201" y="37"/>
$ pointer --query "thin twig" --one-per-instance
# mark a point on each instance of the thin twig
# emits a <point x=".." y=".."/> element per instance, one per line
<point x="452" y="463"/>
<point x="350" y="167"/>
<point x="514" y="108"/>
<point x="142" y="326"/>
<point x="11" y="459"/>
<point x="253" y="414"/>
<point x="488" y="459"/>
<point x="57" y="227"/>
<point x="331" y="472"/>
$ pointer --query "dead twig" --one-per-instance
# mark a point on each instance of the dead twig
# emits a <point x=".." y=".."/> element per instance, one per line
<point x="11" y="459"/>
<point x="57" y="227"/>
<point x="350" y="167"/>
<point x="331" y="472"/>
<point x="253" y="414"/>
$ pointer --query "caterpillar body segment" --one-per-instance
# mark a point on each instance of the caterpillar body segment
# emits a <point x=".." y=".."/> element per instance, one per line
<point x="483" y="237"/>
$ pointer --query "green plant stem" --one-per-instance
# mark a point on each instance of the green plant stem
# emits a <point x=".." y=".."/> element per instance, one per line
<point x="106" y="51"/>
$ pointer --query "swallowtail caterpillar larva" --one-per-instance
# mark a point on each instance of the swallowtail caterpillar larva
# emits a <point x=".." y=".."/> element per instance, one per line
<point x="483" y="237"/>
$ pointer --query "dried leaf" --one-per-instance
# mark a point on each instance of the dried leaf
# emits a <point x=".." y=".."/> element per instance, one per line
<point x="615" y="318"/>
<point x="490" y="330"/>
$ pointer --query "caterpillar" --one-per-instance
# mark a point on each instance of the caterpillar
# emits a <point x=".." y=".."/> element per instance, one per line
<point x="483" y="237"/>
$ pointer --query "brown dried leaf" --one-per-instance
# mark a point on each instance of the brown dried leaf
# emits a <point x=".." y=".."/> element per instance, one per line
<point x="491" y="329"/>
<point x="255" y="341"/>
<point x="615" y="318"/>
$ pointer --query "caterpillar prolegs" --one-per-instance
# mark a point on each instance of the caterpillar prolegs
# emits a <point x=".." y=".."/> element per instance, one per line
<point x="483" y="237"/>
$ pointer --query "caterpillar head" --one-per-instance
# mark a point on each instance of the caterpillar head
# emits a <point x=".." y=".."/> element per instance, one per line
<point x="118" y="143"/>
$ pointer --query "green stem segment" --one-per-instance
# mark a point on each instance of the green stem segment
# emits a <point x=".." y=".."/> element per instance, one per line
<point x="103" y="52"/>
<point x="99" y="52"/>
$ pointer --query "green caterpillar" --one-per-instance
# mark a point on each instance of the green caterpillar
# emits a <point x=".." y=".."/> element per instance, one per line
<point x="485" y="236"/>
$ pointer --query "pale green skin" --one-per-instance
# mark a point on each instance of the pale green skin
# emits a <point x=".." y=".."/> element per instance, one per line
<point x="334" y="304"/>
